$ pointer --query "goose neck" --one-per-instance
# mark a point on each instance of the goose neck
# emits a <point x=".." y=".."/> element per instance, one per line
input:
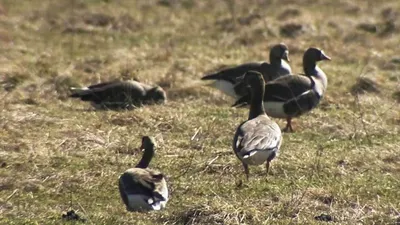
<point x="256" y="103"/>
<point x="275" y="61"/>
<point x="309" y="67"/>
<point x="146" y="158"/>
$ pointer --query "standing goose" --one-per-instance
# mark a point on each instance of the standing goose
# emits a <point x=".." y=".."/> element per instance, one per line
<point x="143" y="189"/>
<point x="258" y="139"/>
<point x="226" y="80"/>
<point x="293" y="95"/>
<point x="120" y="94"/>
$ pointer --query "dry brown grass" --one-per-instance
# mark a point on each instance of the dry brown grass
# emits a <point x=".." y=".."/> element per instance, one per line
<point x="57" y="153"/>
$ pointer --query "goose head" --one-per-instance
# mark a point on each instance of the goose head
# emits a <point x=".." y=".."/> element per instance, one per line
<point x="310" y="59"/>
<point x="315" y="55"/>
<point x="147" y="146"/>
<point x="278" y="52"/>
<point x="156" y="94"/>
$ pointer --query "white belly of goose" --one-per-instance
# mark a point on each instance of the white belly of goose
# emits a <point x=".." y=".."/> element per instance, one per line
<point x="226" y="87"/>
<point x="275" y="109"/>
<point x="257" y="157"/>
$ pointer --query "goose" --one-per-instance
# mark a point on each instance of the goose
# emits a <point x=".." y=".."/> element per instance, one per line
<point x="141" y="188"/>
<point x="120" y="94"/>
<point x="293" y="95"/>
<point x="258" y="139"/>
<point x="226" y="80"/>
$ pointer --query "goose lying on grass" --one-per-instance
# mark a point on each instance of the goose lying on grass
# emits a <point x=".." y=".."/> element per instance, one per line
<point x="120" y="94"/>
<point x="141" y="188"/>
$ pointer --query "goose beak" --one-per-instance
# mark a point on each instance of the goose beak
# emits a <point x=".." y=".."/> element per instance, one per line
<point x="285" y="56"/>
<point x="325" y="57"/>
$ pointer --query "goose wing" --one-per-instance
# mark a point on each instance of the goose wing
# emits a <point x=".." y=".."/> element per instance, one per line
<point x="287" y="87"/>
<point x="112" y="92"/>
<point x="302" y="103"/>
<point x="282" y="89"/>
<point x="260" y="133"/>
<point x="104" y="84"/>
<point x="231" y="74"/>
<point x="143" y="181"/>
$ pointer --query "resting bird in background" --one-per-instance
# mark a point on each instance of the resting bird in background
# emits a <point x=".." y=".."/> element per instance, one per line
<point x="293" y="95"/>
<point x="226" y="80"/>
<point x="258" y="139"/>
<point x="120" y="94"/>
<point x="141" y="188"/>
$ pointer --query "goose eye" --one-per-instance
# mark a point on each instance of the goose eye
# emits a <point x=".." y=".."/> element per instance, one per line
<point x="323" y="56"/>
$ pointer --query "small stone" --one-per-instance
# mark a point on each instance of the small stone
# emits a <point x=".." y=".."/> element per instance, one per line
<point x="71" y="215"/>
<point x="342" y="163"/>
<point x="324" y="217"/>
<point x="395" y="60"/>
<point x="368" y="27"/>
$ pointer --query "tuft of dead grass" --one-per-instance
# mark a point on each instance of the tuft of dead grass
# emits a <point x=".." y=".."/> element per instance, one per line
<point x="365" y="85"/>
<point x="11" y="81"/>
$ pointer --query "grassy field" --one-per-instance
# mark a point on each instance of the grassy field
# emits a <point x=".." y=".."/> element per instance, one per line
<point x="58" y="154"/>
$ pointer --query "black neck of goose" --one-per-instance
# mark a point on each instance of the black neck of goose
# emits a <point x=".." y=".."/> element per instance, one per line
<point x="256" y="103"/>
<point x="309" y="67"/>
<point x="146" y="158"/>
<point x="275" y="60"/>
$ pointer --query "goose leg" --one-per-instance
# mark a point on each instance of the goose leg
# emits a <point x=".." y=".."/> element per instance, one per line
<point x="288" y="127"/>
<point x="246" y="170"/>
<point x="267" y="167"/>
